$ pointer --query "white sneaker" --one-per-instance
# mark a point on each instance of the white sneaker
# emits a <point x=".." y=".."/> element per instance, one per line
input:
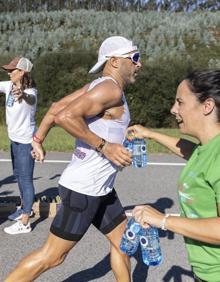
<point x="18" y="228"/>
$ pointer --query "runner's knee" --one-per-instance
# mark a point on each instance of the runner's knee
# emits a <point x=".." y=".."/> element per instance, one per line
<point x="52" y="258"/>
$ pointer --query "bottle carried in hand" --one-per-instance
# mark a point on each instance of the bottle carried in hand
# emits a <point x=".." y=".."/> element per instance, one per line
<point x="139" y="154"/>
<point x="150" y="246"/>
<point x="130" y="238"/>
<point x="138" y="149"/>
<point x="148" y="238"/>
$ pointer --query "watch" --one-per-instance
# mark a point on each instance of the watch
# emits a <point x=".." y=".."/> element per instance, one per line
<point x="101" y="145"/>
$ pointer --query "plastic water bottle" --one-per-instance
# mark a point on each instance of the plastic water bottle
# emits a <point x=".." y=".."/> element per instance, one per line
<point x="130" y="239"/>
<point x="150" y="246"/>
<point x="139" y="153"/>
<point x="128" y="143"/>
<point x="11" y="99"/>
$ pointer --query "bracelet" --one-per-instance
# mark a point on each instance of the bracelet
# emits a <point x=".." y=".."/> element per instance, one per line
<point x="37" y="139"/>
<point x="101" y="145"/>
<point x="163" y="222"/>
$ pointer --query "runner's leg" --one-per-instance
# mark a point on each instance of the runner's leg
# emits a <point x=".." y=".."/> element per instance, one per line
<point x="111" y="220"/>
<point x="68" y="227"/>
<point x="120" y="262"/>
<point x="50" y="255"/>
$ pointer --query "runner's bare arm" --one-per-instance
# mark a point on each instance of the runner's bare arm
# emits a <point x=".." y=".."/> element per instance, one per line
<point x="72" y="118"/>
<point x="38" y="151"/>
<point x="48" y="120"/>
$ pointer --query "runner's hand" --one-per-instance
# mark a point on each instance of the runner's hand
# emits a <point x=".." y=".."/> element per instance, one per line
<point x="38" y="152"/>
<point x="117" y="154"/>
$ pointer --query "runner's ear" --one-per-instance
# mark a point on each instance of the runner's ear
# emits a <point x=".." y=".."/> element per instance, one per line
<point x="114" y="62"/>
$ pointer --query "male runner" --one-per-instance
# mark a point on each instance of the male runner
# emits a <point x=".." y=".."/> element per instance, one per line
<point x="97" y="115"/>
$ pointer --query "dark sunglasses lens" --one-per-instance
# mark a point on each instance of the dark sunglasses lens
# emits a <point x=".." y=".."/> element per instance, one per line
<point x="136" y="57"/>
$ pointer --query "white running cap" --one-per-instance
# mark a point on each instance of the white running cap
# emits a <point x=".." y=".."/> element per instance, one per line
<point x="112" y="46"/>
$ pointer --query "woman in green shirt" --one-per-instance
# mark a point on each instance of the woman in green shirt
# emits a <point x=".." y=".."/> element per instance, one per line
<point x="197" y="112"/>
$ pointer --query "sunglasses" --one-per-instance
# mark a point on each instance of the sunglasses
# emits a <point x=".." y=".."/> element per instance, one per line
<point x="135" y="57"/>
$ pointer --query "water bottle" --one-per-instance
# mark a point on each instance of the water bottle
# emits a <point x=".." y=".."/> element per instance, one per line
<point x="139" y="153"/>
<point x="150" y="246"/>
<point x="128" y="143"/>
<point x="130" y="238"/>
<point x="11" y="99"/>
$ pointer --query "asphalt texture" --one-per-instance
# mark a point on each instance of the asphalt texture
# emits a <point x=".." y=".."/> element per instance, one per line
<point x="89" y="260"/>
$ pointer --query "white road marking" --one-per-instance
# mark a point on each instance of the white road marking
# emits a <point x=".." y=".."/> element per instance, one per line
<point x="171" y="214"/>
<point x="65" y="161"/>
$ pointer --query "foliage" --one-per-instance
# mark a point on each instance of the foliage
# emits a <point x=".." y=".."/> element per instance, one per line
<point x="157" y="34"/>
<point x="63" y="46"/>
<point x="110" y="5"/>
<point x="58" y="74"/>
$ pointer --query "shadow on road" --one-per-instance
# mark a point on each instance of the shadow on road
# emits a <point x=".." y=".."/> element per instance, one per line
<point x="103" y="267"/>
<point x="55" y="176"/>
<point x="51" y="192"/>
<point x="8" y="180"/>
<point x="161" y="204"/>
<point x="141" y="270"/>
<point x="177" y="274"/>
<point x="95" y="272"/>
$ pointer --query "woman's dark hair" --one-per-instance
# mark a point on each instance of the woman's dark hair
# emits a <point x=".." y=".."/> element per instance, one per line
<point x="206" y="84"/>
<point x="27" y="82"/>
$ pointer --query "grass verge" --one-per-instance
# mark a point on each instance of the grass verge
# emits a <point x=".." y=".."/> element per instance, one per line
<point x="60" y="141"/>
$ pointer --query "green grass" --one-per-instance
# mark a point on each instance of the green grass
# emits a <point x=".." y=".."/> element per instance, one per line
<point x="4" y="142"/>
<point x="60" y="141"/>
<point x="57" y="140"/>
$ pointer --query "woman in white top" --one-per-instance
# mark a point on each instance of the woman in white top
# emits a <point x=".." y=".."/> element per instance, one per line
<point x="21" y="100"/>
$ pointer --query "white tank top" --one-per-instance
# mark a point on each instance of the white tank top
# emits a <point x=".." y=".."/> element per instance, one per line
<point x="90" y="172"/>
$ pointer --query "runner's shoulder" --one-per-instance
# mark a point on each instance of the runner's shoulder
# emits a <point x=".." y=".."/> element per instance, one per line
<point x="110" y="88"/>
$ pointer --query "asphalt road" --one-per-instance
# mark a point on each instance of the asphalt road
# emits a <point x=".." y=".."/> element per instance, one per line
<point x="89" y="260"/>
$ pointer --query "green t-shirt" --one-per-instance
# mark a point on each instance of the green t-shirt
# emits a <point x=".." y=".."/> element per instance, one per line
<point x="199" y="194"/>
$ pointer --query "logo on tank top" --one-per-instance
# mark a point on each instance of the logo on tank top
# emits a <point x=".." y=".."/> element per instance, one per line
<point x="79" y="154"/>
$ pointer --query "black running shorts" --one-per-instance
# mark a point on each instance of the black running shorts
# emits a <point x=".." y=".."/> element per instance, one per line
<point x="79" y="211"/>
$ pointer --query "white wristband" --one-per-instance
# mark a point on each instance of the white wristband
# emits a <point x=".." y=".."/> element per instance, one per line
<point x="163" y="222"/>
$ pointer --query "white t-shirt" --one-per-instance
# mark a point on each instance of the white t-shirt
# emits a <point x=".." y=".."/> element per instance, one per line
<point x="20" y="118"/>
<point x="90" y="172"/>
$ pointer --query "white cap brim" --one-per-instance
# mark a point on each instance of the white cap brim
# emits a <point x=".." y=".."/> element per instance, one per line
<point x="98" y="66"/>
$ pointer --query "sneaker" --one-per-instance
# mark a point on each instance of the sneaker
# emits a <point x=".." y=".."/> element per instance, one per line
<point x="17" y="215"/>
<point x="18" y="228"/>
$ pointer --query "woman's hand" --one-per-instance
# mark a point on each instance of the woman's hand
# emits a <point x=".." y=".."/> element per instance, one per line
<point x="17" y="92"/>
<point x="140" y="131"/>
<point x="147" y="216"/>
